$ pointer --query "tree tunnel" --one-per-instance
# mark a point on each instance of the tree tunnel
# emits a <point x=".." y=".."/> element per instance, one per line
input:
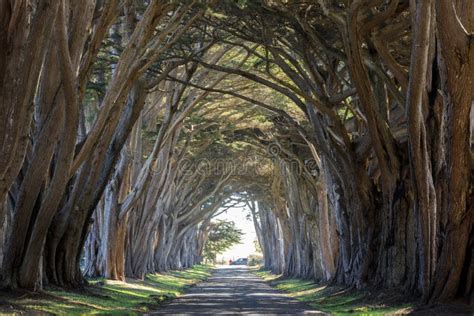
<point x="347" y="127"/>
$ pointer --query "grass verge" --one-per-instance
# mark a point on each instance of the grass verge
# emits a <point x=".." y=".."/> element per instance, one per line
<point x="339" y="300"/>
<point x="105" y="296"/>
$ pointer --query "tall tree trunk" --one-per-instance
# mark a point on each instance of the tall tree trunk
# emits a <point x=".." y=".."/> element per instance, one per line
<point x="455" y="26"/>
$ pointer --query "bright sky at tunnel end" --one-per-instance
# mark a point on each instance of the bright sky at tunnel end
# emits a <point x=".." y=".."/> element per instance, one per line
<point x="247" y="247"/>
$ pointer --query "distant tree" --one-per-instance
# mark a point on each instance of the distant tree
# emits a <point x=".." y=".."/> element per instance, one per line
<point x="223" y="235"/>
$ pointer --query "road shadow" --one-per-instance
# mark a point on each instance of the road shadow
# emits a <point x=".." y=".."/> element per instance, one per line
<point x="234" y="290"/>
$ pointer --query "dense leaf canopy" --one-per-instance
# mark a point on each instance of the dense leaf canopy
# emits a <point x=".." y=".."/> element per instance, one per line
<point x="344" y="126"/>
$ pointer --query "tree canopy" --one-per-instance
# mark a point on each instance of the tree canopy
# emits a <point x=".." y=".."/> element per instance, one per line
<point x="346" y="127"/>
<point x="222" y="236"/>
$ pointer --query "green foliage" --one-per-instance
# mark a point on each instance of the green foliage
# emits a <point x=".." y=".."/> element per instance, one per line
<point x="345" y="113"/>
<point x="255" y="260"/>
<point x="222" y="235"/>
<point x="337" y="300"/>
<point x="107" y="297"/>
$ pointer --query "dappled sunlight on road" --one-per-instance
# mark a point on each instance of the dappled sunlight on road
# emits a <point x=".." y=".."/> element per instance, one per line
<point x="235" y="290"/>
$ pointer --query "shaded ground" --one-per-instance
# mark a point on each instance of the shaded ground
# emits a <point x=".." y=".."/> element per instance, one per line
<point x="135" y="297"/>
<point x="336" y="300"/>
<point x="235" y="290"/>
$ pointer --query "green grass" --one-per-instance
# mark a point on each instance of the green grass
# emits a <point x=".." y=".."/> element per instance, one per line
<point x="338" y="300"/>
<point x="107" y="297"/>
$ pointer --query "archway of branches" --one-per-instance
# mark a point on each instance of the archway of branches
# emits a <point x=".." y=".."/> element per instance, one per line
<point x="344" y="125"/>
